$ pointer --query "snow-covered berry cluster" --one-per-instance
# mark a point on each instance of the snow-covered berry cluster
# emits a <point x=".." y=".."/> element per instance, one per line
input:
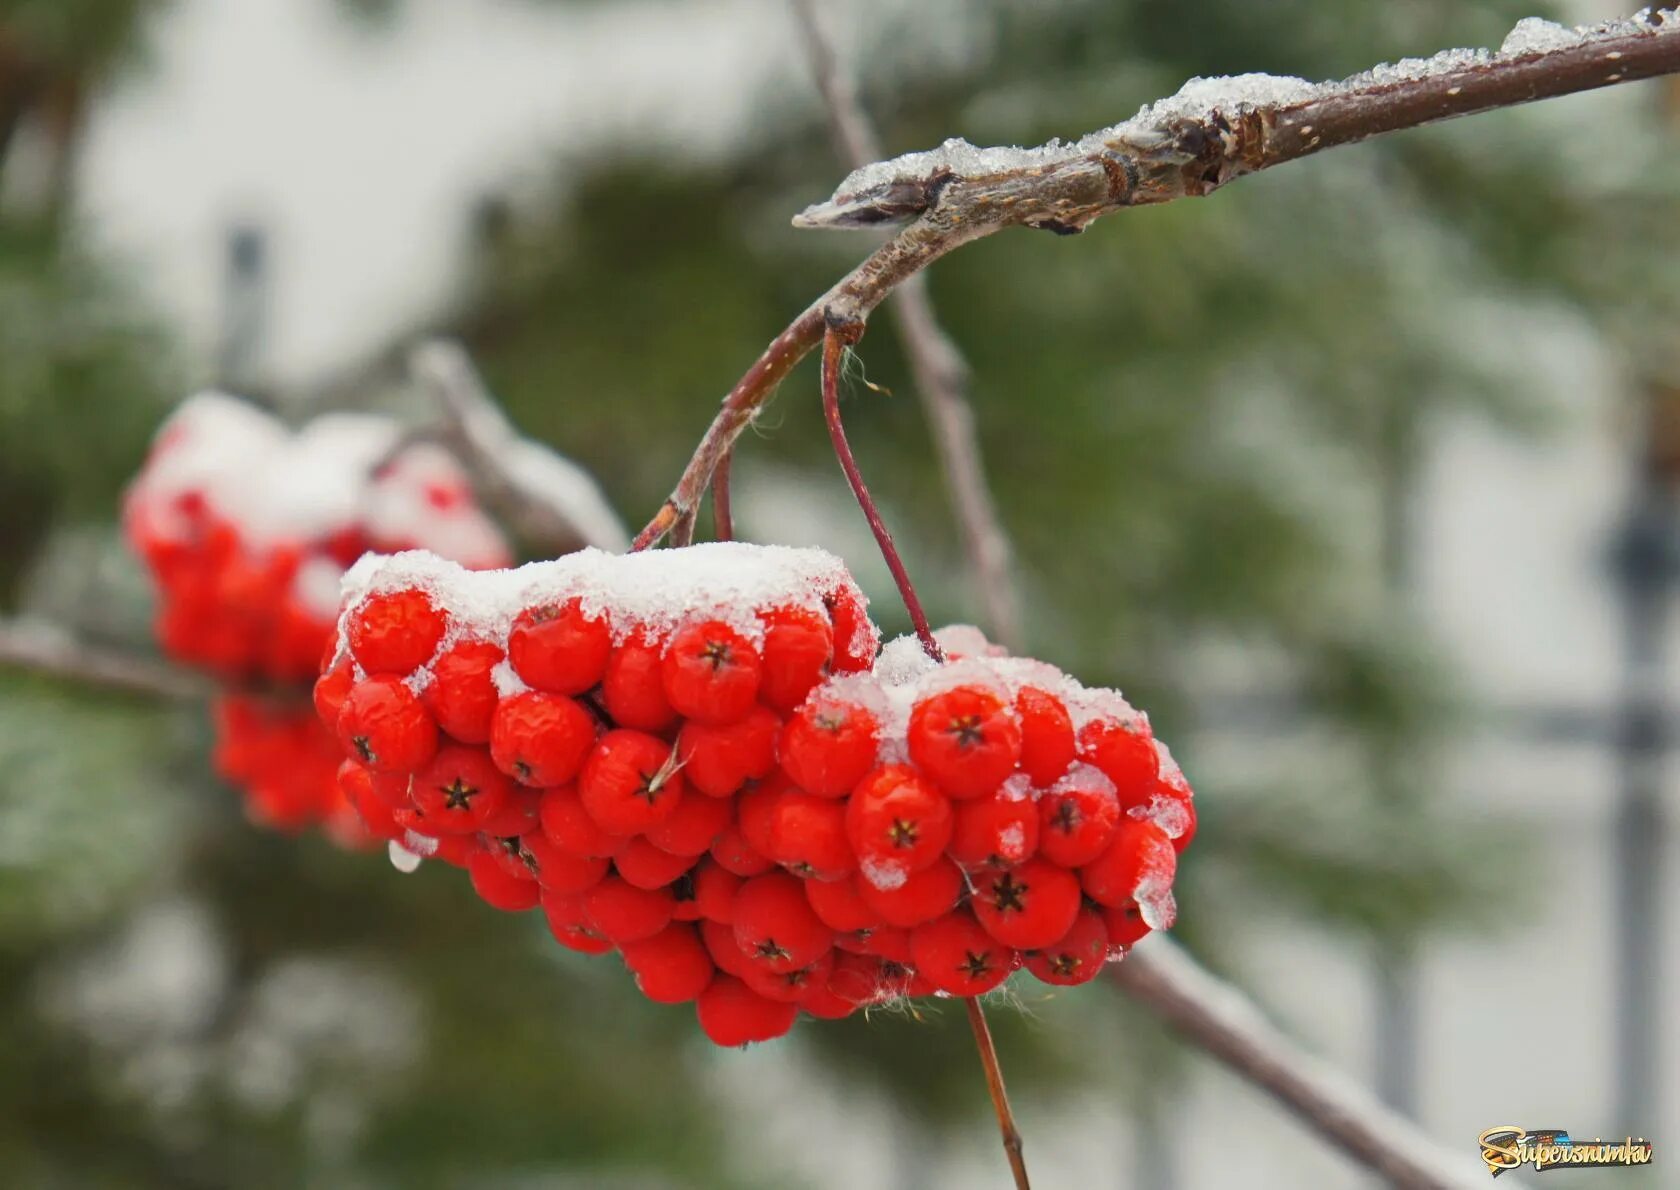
<point x="246" y="530"/>
<point x="695" y="757"/>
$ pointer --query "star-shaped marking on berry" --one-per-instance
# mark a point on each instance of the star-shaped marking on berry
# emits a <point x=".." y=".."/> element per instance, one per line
<point x="902" y="832"/>
<point x="976" y="964"/>
<point x="458" y="795"/>
<point x="967" y="730"/>
<point x="1066" y="818"/>
<point x="716" y="653"/>
<point x="1008" y="893"/>
<point x="1064" y="964"/>
<point x="770" y="951"/>
<point x="363" y="747"/>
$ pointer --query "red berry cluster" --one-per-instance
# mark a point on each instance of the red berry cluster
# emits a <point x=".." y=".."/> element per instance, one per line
<point x="286" y="765"/>
<point x="693" y="757"/>
<point x="246" y="530"/>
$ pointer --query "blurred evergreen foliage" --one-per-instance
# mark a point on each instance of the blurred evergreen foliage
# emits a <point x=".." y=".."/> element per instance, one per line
<point x="1198" y="419"/>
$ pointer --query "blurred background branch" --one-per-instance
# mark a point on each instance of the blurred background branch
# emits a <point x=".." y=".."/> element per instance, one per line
<point x="53" y="652"/>
<point x="548" y="500"/>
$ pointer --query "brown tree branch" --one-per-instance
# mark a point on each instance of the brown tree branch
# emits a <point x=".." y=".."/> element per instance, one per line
<point x="723" y="517"/>
<point x="1186" y="147"/>
<point x="1012" y="1147"/>
<point x="50" y="651"/>
<point x="836" y="340"/>
<point x="936" y="365"/>
<point x="545" y="496"/>
<point x="1220" y="1020"/>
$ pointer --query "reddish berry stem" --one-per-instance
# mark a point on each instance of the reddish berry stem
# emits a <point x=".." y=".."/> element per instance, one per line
<point x="723" y="521"/>
<point x="1000" y="1096"/>
<point x="835" y="342"/>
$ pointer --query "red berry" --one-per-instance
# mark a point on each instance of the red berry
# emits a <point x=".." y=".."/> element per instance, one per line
<point x="788" y="986"/>
<point x="672" y="967"/>
<point x="501" y="890"/>
<point x="997" y="831"/>
<point x="920" y="896"/>
<point x="957" y="956"/>
<point x="462" y="696"/>
<point x="719" y="938"/>
<point x="710" y="672"/>
<point x="755" y="810"/>
<point x="646" y="866"/>
<point x="1078" y="956"/>
<point x="775" y="926"/>
<point x="731" y="1013"/>
<point x="384" y="726"/>
<point x="839" y="905"/>
<point x="966" y="739"/>
<point x="395" y="632"/>
<point x="824" y="1003"/>
<point x="798" y="646"/>
<point x="693" y="826"/>
<point x="714" y="890"/>
<point x="569" y="923"/>
<point x="1140" y="855"/>
<point x="736" y="855"/>
<point x="1047" y="744"/>
<point x="559" y="648"/>
<point x="518" y="815"/>
<point x="886" y="942"/>
<point x="1124" y="925"/>
<point x="460" y="790"/>
<point x="1125" y="752"/>
<point x="540" y="739"/>
<point x="1029" y="906"/>
<point x="1077" y="818"/>
<point x="633" y="691"/>
<point x="557" y="870"/>
<point x="624" y="913"/>
<point x="861" y="980"/>
<point x="718" y="760"/>
<point x="569" y="826"/>
<point x="855" y="639"/>
<point x="896" y="821"/>
<point x="630" y="782"/>
<point x="827" y="746"/>
<point x="331" y="688"/>
<point x="808" y="836"/>
<point x="357" y="785"/>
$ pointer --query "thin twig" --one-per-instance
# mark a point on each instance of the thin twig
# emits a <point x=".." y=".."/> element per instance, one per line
<point x="547" y="497"/>
<point x="936" y="365"/>
<point x="48" y="650"/>
<point x="1181" y="154"/>
<point x="723" y="520"/>
<point x="1000" y="1096"/>
<point x="835" y="342"/>
<point x="1220" y="1020"/>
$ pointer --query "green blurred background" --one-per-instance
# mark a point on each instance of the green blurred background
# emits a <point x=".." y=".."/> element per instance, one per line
<point x="1296" y="467"/>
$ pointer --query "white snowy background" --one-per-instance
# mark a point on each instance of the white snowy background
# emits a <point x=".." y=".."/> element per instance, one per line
<point x="359" y="155"/>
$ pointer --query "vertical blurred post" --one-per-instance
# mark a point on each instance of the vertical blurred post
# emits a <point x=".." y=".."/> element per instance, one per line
<point x="1645" y="565"/>
<point x="245" y="309"/>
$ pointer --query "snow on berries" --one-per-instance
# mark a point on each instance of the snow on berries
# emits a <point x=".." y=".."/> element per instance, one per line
<point x="246" y="529"/>
<point x="699" y="758"/>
